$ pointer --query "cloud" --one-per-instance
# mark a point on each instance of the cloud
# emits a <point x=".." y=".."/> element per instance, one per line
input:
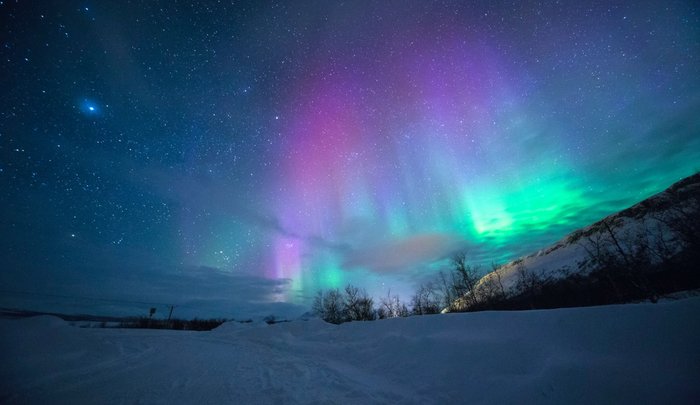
<point x="207" y="291"/>
<point x="194" y="291"/>
<point x="405" y="253"/>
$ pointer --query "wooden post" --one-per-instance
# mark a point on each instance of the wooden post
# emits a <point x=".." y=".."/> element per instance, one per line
<point x="171" y="312"/>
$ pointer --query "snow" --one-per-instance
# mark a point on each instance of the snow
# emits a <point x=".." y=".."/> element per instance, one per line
<point x="546" y="263"/>
<point x="635" y="353"/>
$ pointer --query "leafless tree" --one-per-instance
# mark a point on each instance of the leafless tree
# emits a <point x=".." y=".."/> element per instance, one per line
<point x="358" y="306"/>
<point x="329" y="306"/>
<point x="464" y="281"/>
<point x="425" y="301"/>
<point x="490" y="289"/>
<point x="528" y="283"/>
<point x="682" y="217"/>
<point x="391" y="307"/>
<point x="622" y="260"/>
<point x="447" y="291"/>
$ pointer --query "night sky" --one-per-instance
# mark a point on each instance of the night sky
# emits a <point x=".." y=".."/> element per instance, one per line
<point x="234" y="157"/>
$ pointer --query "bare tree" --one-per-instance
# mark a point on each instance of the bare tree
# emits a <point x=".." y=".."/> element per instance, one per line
<point x="329" y="306"/>
<point x="464" y="281"/>
<point x="622" y="259"/>
<point x="358" y="306"/>
<point x="528" y="283"/>
<point x="682" y="218"/>
<point x="660" y="245"/>
<point x="499" y="281"/>
<point x="425" y="301"/>
<point x="447" y="291"/>
<point x="490" y="289"/>
<point x="391" y="307"/>
<point x="622" y="254"/>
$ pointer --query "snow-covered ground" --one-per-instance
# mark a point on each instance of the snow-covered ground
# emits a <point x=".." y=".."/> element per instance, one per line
<point x="636" y="353"/>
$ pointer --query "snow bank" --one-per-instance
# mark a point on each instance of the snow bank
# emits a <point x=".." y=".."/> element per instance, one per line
<point x="638" y="353"/>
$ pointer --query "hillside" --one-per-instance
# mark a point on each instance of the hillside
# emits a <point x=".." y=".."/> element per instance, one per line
<point x="651" y="240"/>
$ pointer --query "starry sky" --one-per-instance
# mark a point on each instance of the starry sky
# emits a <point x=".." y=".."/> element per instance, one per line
<point x="234" y="157"/>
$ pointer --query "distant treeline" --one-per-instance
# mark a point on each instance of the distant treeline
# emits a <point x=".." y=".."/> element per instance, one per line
<point x="175" y="324"/>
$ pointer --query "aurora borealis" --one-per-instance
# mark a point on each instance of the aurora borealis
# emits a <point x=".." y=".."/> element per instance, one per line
<point x="148" y="148"/>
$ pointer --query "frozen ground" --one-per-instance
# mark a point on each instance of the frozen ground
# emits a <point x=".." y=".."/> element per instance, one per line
<point x="637" y="353"/>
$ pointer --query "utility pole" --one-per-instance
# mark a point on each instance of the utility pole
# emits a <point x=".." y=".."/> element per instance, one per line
<point x="171" y="312"/>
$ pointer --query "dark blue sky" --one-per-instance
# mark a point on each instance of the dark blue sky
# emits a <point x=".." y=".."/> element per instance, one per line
<point x="233" y="157"/>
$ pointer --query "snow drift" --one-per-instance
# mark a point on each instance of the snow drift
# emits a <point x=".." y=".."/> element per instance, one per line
<point x="636" y="353"/>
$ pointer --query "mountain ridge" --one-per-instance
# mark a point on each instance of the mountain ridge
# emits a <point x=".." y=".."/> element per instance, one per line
<point x="662" y="227"/>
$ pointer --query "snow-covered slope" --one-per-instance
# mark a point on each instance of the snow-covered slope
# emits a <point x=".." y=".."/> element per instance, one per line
<point x="637" y="353"/>
<point x="647" y="218"/>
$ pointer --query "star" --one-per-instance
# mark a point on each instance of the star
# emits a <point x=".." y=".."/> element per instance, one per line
<point x="90" y="107"/>
<point x="306" y="147"/>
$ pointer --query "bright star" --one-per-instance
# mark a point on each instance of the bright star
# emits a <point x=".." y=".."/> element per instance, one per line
<point x="90" y="107"/>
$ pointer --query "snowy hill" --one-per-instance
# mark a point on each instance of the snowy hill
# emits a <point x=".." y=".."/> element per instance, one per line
<point x="637" y="353"/>
<point x="659" y="228"/>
